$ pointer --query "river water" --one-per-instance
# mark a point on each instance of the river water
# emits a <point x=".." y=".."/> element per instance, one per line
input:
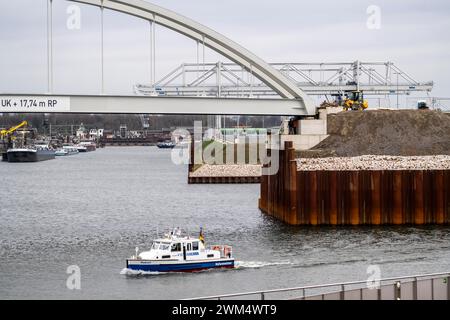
<point x="91" y="210"/>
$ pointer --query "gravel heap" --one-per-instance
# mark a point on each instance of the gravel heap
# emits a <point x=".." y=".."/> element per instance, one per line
<point x="385" y="132"/>
<point x="227" y="171"/>
<point x="375" y="163"/>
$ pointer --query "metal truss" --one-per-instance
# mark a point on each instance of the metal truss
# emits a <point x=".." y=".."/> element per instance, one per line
<point x="229" y="80"/>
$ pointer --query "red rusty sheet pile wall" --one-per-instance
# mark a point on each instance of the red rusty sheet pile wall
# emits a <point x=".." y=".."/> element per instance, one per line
<point x="368" y="197"/>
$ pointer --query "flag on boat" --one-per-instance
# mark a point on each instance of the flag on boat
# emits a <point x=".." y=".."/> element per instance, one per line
<point x="201" y="237"/>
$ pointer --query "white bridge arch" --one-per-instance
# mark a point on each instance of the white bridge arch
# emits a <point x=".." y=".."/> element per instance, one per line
<point x="294" y="101"/>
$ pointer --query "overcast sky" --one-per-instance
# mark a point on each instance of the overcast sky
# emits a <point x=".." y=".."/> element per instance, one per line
<point x="414" y="35"/>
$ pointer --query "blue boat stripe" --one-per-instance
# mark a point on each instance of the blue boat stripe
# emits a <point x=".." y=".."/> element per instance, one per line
<point x="180" y="267"/>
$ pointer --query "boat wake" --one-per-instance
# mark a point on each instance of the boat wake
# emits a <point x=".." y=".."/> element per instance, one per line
<point x="238" y="265"/>
<point x="135" y="273"/>
<point x="259" y="264"/>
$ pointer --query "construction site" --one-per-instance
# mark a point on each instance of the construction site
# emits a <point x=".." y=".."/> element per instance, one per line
<point x="379" y="167"/>
<point x="376" y="152"/>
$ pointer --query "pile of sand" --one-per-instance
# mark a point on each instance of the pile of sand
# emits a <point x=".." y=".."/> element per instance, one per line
<point x="385" y="132"/>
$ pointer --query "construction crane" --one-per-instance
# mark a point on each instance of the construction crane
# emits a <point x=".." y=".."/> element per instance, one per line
<point x="7" y="132"/>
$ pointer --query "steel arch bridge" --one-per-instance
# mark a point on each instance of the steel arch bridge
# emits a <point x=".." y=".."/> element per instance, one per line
<point x="292" y="100"/>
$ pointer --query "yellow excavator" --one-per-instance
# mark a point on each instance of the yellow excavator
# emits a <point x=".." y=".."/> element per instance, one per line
<point x="354" y="100"/>
<point x="7" y="132"/>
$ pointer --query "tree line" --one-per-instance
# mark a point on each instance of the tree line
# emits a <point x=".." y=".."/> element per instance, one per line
<point x="133" y="122"/>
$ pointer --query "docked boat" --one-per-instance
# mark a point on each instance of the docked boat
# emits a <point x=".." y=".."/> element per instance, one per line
<point x="3" y="152"/>
<point x="86" y="146"/>
<point x="177" y="253"/>
<point x="30" y="154"/>
<point x="166" y="145"/>
<point x="66" y="151"/>
<point x="81" y="148"/>
<point x="90" y="146"/>
<point x="61" y="152"/>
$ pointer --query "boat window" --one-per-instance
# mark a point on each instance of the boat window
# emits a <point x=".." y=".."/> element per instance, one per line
<point x="195" y="245"/>
<point x="164" y="246"/>
<point x="189" y="247"/>
<point x="176" y="247"/>
<point x="155" y="245"/>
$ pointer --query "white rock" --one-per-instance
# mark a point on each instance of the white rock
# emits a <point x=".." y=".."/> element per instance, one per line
<point x="227" y="171"/>
<point x="369" y="162"/>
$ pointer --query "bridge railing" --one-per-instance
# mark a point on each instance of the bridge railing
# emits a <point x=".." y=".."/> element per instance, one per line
<point x="434" y="286"/>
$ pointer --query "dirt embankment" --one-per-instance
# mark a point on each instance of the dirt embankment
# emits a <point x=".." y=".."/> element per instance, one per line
<point x="385" y="132"/>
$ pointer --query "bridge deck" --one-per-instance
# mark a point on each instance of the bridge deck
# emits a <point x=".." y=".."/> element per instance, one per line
<point x="13" y="103"/>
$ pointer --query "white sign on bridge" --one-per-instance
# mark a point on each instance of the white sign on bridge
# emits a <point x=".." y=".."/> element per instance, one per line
<point x="34" y="104"/>
<point x="10" y="103"/>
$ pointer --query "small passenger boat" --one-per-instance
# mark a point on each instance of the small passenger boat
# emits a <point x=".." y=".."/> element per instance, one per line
<point x="89" y="145"/>
<point x="86" y="146"/>
<point x="66" y="151"/>
<point x="166" y="145"/>
<point x="177" y="253"/>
